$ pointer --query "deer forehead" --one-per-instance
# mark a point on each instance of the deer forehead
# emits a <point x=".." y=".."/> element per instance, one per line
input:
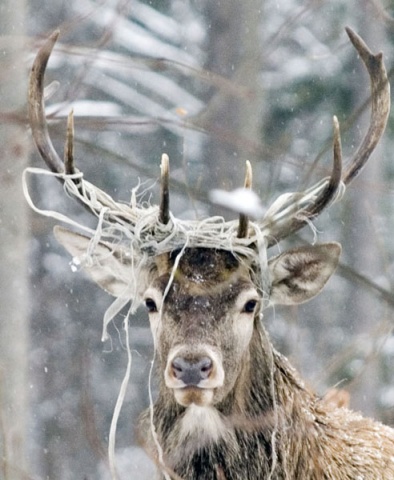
<point x="202" y="278"/>
<point x="195" y="298"/>
<point x="200" y="265"/>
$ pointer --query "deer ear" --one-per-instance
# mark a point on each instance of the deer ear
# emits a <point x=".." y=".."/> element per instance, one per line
<point x="299" y="274"/>
<point x="108" y="266"/>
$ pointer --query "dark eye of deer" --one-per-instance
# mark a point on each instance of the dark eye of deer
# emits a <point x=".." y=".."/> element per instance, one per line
<point x="151" y="305"/>
<point x="249" y="306"/>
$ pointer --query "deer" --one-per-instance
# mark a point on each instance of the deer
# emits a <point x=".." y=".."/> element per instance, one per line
<point x="229" y="405"/>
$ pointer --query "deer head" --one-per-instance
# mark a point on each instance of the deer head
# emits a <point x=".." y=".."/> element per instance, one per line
<point x="204" y="283"/>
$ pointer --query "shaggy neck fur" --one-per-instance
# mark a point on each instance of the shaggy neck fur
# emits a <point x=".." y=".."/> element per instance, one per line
<point x="252" y="436"/>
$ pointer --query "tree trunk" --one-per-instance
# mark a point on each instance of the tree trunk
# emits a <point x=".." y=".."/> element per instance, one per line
<point x="233" y="120"/>
<point x="13" y="244"/>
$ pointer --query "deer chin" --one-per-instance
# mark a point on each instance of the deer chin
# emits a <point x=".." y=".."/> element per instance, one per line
<point x="202" y="397"/>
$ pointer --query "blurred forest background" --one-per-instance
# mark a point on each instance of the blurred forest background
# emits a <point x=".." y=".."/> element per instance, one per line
<point x="212" y="83"/>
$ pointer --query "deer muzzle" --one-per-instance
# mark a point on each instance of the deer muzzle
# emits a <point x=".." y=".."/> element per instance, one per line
<point x="191" y="372"/>
<point x="193" y="375"/>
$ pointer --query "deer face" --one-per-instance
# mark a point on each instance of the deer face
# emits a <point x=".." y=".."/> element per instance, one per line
<point x="203" y="324"/>
<point x="203" y="312"/>
<point x="203" y="321"/>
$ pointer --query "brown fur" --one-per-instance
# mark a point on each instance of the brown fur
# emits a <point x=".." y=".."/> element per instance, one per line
<point x="258" y="421"/>
<point x="249" y="417"/>
<point x="271" y="425"/>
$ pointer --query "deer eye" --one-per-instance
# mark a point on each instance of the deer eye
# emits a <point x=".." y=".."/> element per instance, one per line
<point x="151" y="305"/>
<point x="249" y="306"/>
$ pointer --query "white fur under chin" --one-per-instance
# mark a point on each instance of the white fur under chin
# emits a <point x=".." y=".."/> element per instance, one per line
<point x="202" y="425"/>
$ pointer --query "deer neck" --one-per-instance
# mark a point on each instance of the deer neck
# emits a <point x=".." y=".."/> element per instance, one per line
<point x="266" y="383"/>
<point x="267" y="397"/>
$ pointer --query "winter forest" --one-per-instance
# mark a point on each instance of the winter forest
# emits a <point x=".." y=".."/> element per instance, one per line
<point x="212" y="83"/>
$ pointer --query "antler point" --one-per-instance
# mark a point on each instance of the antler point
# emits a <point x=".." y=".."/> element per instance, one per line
<point x="248" y="175"/>
<point x="164" y="215"/>
<point x="55" y="35"/>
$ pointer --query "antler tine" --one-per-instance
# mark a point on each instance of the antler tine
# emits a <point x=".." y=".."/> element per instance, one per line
<point x="243" y="225"/>
<point x="39" y="128"/>
<point x="36" y="109"/>
<point x="380" y="110"/>
<point x="329" y="193"/>
<point x="297" y="216"/>
<point x="380" y="93"/>
<point x="69" y="148"/>
<point x="164" y="215"/>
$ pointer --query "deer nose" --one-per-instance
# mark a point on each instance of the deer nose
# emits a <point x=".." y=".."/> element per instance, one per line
<point x="191" y="372"/>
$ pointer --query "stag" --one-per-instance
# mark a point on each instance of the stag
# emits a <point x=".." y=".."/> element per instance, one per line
<point x="229" y="406"/>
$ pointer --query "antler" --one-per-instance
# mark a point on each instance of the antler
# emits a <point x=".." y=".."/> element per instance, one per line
<point x="164" y="216"/>
<point x="380" y="88"/>
<point x="243" y="219"/>
<point x="295" y="215"/>
<point x="39" y="128"/>
<point x="37" y="118"/>
<point x="287" y="215"/>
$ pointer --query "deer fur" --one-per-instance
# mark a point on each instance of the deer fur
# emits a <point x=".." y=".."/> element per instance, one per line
<point x="253" y="418"/>
<point x="229" y="406"/>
